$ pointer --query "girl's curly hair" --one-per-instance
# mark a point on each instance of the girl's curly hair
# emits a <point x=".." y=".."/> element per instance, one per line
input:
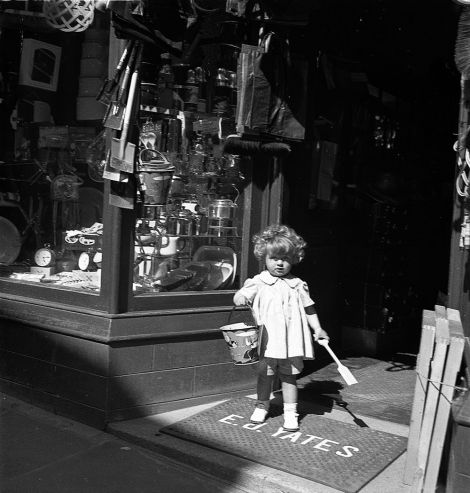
<point x="281" y="240"/>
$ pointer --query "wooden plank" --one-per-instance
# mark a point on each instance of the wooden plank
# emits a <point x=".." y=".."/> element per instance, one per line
<point x="452" y="367"/>
<point x="432" y="395"/>
<point x="466" y="353"/>
<point x="276" y="192"/>
<point x="246" y="232"/>
<point x="423" y="365"/>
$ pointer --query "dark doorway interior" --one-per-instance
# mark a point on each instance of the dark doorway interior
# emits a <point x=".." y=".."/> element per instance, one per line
<point x="372" y="192"/>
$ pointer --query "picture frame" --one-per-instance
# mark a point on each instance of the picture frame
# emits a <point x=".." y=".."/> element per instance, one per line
<point x="40" y="64"/>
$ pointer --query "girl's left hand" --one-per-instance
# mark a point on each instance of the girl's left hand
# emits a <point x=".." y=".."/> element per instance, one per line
<point x="321" y="334"/>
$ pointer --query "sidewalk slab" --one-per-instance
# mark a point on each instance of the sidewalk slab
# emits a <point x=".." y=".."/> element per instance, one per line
<point x="44" y="453"/>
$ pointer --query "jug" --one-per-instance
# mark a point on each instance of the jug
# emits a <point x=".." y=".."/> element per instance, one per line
<point x="169" y="245"/>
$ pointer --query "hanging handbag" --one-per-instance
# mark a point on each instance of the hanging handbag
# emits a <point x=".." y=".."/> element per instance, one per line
<point x="272" y="94"/>
<point x="254" y="89"/>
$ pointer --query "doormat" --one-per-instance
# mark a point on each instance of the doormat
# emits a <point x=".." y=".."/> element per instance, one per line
<point x="339" y="455"/>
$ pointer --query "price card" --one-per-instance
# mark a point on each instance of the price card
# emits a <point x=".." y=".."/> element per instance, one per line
<point x="209" y="125"/>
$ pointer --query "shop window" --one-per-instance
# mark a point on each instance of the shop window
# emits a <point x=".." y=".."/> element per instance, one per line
<point x="190" y="202"/>
<point x="190" y="194"/>
<point x="51" y="199"/>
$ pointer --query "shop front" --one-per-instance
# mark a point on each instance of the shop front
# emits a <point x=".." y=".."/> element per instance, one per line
<point x="125" y="219"/>
<point x="144" y="143"/>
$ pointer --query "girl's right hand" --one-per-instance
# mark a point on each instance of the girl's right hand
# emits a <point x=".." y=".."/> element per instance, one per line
<point x="240" y="300"/>
<point x="320" y="334"/>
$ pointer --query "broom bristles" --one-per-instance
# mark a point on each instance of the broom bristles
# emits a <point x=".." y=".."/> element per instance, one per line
<point x="240" y="146"/>
<point x="462" y="43"/>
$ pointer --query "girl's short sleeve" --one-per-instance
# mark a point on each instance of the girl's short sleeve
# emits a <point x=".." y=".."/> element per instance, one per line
<point x="249" y="289"/>
<point x="305" y="295"/>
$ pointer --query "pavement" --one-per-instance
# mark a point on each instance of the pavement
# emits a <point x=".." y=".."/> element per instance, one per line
<point x="43" y="452"/>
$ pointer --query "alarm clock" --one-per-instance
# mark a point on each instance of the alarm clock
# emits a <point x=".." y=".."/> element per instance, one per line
<point x="98" y="258"/>
<point x="86" y="263"/>
<point x="45" y="256"/>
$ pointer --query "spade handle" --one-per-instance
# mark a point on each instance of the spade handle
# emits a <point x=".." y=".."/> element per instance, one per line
<point x="130" y="101"/>
<point x="324" y="343"/>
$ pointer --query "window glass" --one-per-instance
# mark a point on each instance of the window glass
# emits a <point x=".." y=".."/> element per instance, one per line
<point x="190" y="195"/>
<point x="52" y="151"/>
<point x="190" y="192"/>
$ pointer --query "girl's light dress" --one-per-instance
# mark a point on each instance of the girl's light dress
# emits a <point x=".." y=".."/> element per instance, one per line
<point x="279" y="306"/>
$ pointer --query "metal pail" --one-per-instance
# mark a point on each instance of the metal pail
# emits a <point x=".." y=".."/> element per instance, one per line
<point x="243" y="342"/>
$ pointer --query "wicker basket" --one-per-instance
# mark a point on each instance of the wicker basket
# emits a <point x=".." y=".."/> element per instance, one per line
<point x="69" y="15"/>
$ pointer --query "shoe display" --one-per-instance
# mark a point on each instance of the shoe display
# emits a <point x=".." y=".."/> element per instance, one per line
<point x="291" y="421"/>
<point x="259" y="415"/>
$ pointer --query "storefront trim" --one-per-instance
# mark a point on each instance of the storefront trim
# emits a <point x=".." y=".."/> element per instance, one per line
<point x="108" y="328"/>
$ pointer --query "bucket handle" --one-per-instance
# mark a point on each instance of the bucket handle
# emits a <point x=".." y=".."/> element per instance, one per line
<point x="233" y="309"/>
<point x="230" y="314"/>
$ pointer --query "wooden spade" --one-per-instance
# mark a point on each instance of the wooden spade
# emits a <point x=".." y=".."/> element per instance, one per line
<point x="348" y="377"/>
<point x="122" y="151"/>
<point x="115" y="117"/>
<point x="109" y="86"/>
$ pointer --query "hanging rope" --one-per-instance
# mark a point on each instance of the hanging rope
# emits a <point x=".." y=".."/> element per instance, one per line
<point x="437" y="383"/>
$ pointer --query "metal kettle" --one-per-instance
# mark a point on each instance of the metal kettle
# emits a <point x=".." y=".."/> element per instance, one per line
<point x="222" y="209"/>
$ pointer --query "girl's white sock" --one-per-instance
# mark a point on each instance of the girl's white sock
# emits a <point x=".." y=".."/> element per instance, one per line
<point x="290" y="407"/>
<point x="291" y="418"/>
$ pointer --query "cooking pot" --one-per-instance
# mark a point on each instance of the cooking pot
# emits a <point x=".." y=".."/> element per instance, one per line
<point x="177" y="186"/>
<point x="222" y="209"/>
<point x="181" y="223"/>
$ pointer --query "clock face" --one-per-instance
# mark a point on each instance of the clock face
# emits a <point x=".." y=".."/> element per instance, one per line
<point x="98" y="258"/>
<point x="44" y="257"/>
<point x="84" y="261"/>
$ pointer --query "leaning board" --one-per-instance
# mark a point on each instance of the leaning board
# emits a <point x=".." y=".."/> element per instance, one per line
<point x="439" y="361"/>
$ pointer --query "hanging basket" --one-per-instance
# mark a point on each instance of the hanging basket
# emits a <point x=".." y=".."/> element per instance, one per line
<point x="69" y="15"/>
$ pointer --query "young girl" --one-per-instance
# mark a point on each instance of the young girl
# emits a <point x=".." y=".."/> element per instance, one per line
<point x="283" y="308"/>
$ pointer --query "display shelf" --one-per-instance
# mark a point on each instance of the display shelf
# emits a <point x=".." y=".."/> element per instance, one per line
<point x="205" y="235"/>
<point x="159" y="109"/>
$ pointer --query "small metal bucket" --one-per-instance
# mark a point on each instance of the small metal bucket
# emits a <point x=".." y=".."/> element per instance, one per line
<point x="243" y="342"/>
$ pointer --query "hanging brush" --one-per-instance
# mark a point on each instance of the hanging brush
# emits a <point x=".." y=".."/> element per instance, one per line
<point x="240" y="146"/>
<point x="462" y="62"/>
<point x="462" y="43"/>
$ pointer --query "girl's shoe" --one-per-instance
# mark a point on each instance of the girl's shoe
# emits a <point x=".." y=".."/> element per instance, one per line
<point x="291" y="421"/>
<point x="259" y="415"/>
